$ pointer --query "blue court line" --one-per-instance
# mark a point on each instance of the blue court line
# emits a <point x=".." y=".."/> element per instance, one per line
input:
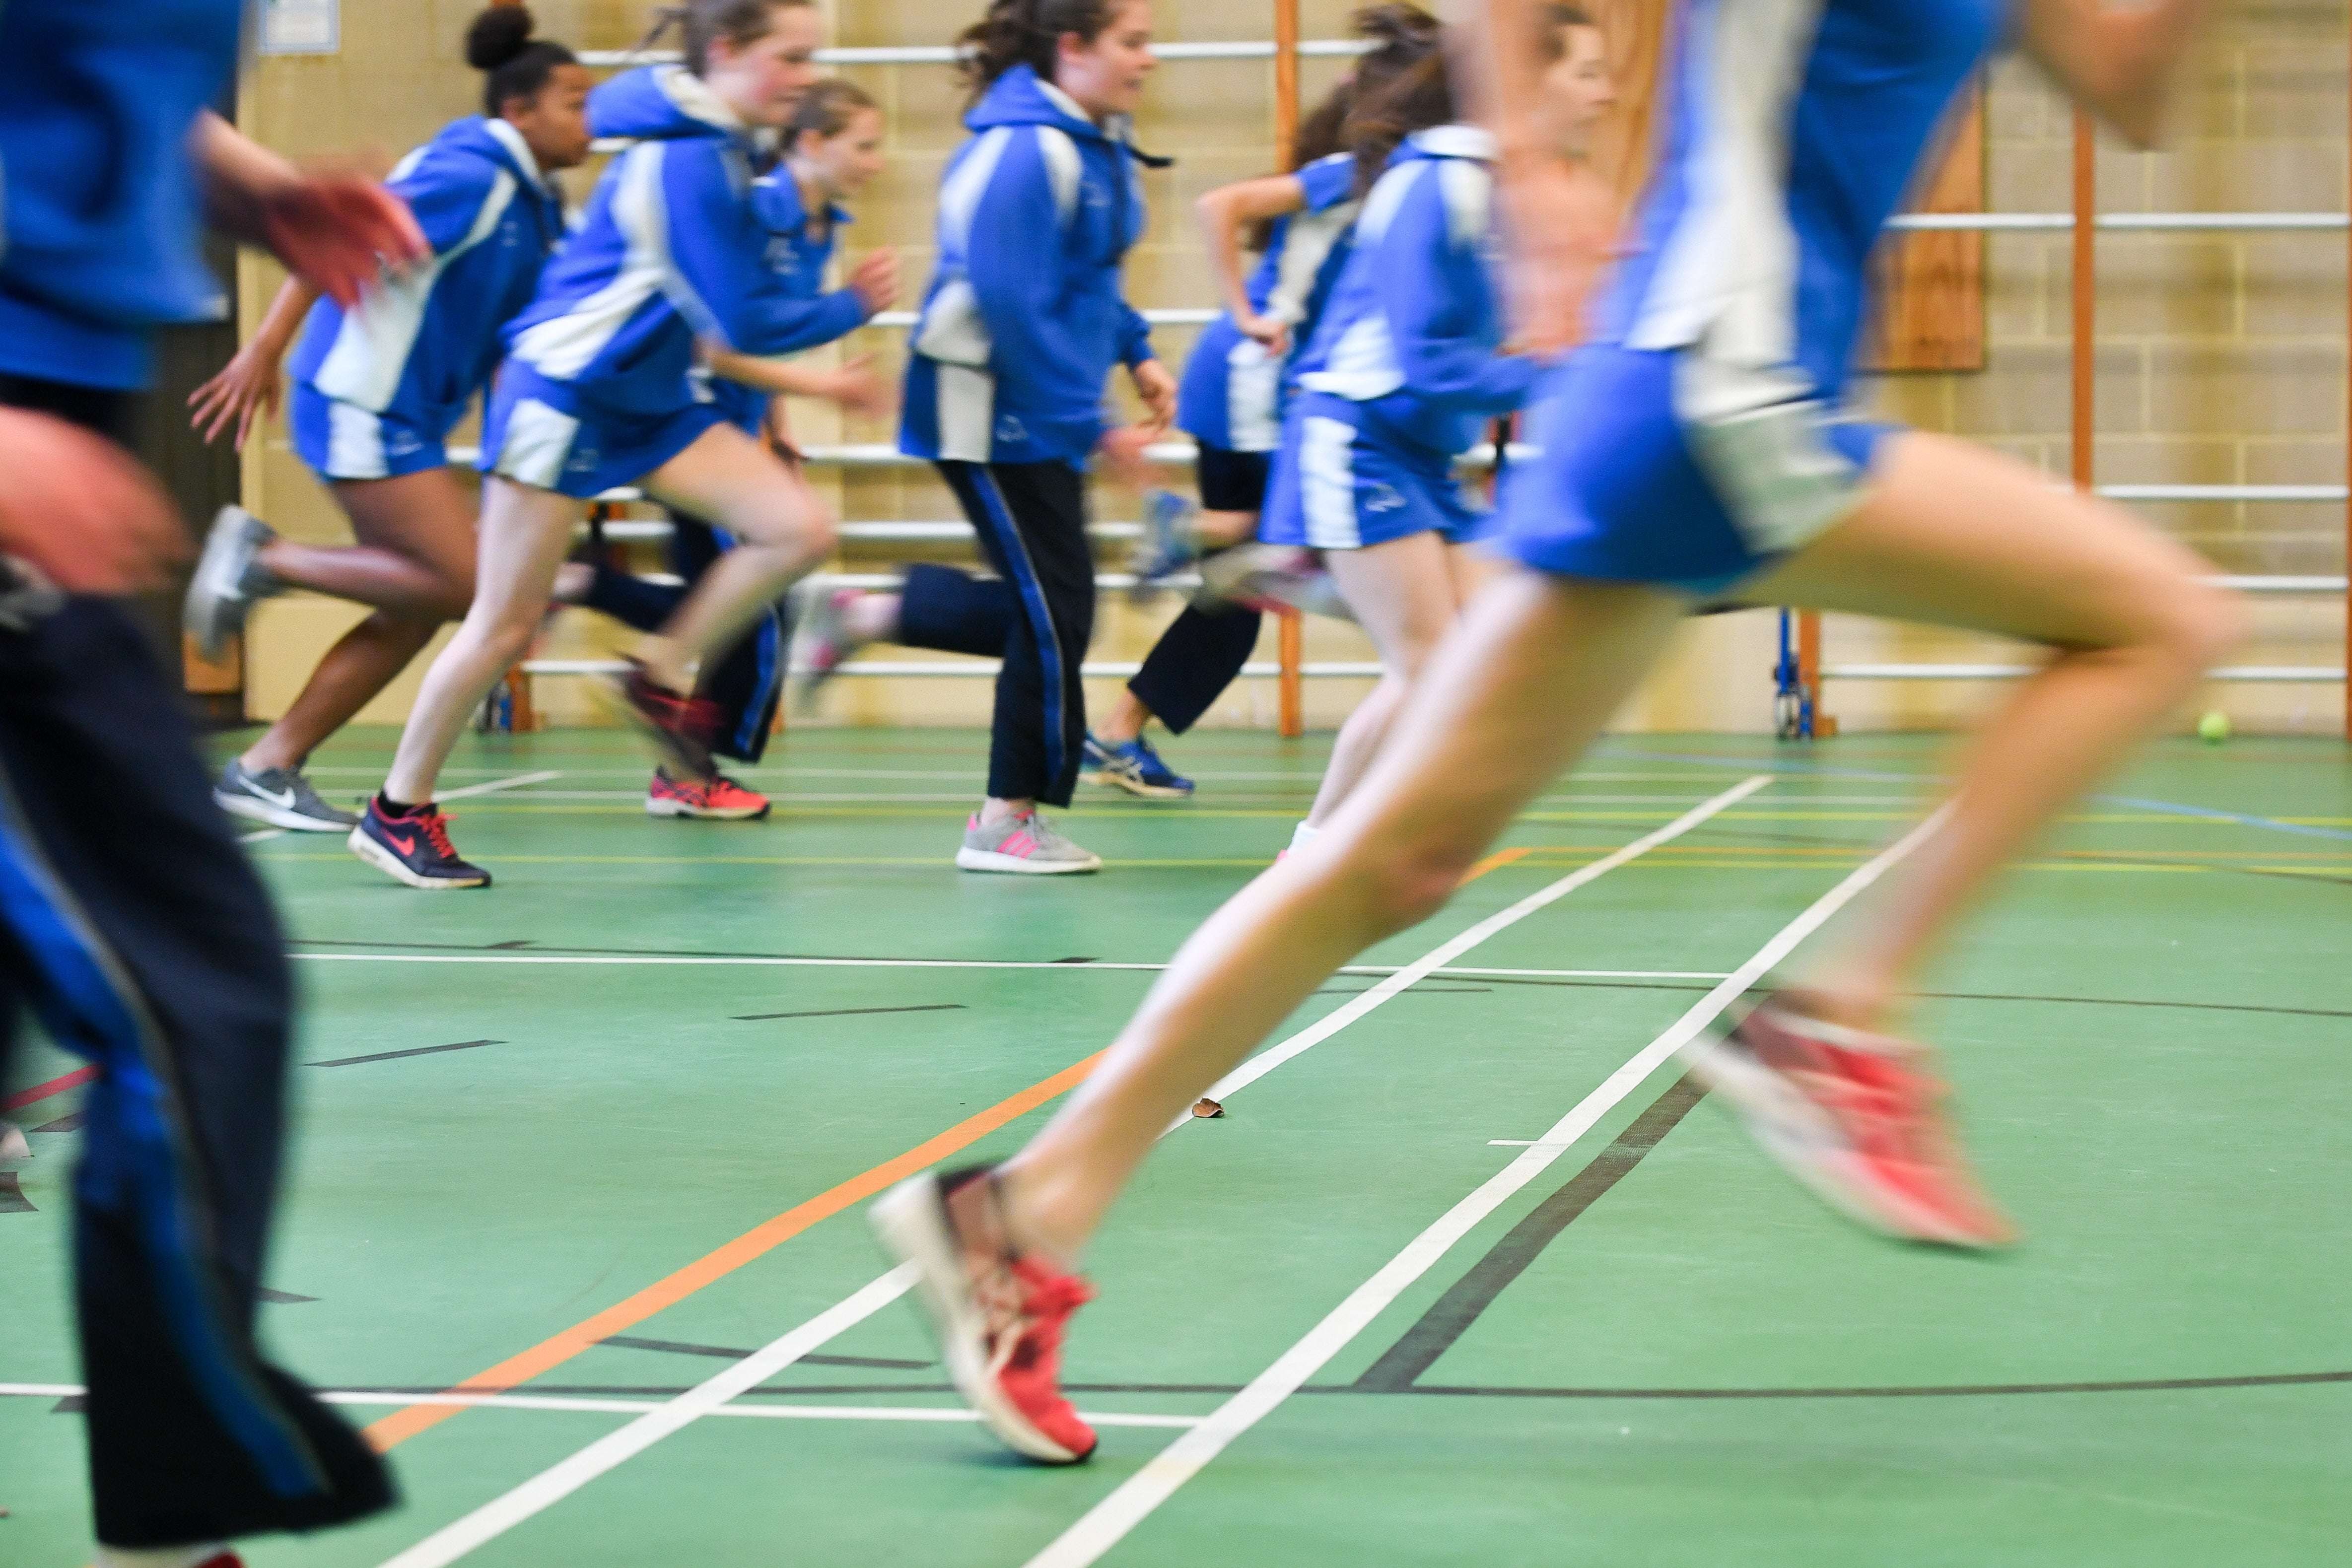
<point x="2171" y="808"/>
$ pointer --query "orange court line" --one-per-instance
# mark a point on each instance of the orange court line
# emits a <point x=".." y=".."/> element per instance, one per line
<point x="1498" y="859"/>
<point x="549" y="1353"/>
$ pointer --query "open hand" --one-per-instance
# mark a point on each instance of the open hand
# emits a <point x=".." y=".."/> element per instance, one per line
<point x="1270" y="330"/>
<point x="244" y="393"/>
<point x="1156" y="387"/>
<point x="858" y="388"/>
<point x="80" y="510"/>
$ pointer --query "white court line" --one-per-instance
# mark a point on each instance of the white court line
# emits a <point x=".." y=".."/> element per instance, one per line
<point x="1109" y="1522"/>
<point x="492" y="788"/>
<point x="1266" y="1061"/>
<point x="502" y="1514"/>
<point x="551" y="1485"/>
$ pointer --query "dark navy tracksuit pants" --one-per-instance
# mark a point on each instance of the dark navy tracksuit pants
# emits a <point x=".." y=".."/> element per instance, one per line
<point x="1195" y="659"/>
<point x="135" y="931"/>
<point x="748" y="680"/>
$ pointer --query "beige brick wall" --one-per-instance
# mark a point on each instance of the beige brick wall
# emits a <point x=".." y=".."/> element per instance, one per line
<point x="2222" y="357"/>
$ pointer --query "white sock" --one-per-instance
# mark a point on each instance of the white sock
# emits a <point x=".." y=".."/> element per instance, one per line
<point x="1303" y="835"/>
<point x="161" y="1557"/>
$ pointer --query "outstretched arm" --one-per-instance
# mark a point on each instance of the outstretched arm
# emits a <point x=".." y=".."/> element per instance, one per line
<point x="338" y="231"/>
<point x="2119" y="62"/>
<point x="247" y="390"/>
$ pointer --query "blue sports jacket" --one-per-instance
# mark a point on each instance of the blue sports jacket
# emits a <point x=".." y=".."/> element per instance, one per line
<point x="673" y="249"/>
<point x="419" y="348"/>
<point x="1414" y="329"/>
<point x="1024" y="317"/>
<point x="798" y="257"/>
<point x="100" y="202"/>
<point x="1233" y="390"/>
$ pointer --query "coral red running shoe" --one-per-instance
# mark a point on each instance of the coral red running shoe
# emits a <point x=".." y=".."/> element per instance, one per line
<point x="680" y="727"/>
<point x="1855" y="1116"/>
<point x="414" y="849"/>
<point x="717" y="799"/>
<point x="999" y="1315"/>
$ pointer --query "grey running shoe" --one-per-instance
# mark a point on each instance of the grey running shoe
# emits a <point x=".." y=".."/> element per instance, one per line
<point x="1026" y="846"/>
<point x="12" y="1145"/>
<point x="825" y="642"/>
<point x="229" y="579"/>
<point x="280" y="797"/>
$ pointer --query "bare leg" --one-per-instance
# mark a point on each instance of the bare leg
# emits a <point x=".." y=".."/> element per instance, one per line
<point x="1957" y="535"/>
<point x="1515" y="691"/>
<point x="1950" y="534"/>
<point x="1125" y="721"/>
<point x="1222" y="530"/>
<point x="1402" y="594"/>
<point x="415" y="554"/>
<point x="525" y="532"/>
<point x="781" y="528"/>
<point x="425" y="521"/>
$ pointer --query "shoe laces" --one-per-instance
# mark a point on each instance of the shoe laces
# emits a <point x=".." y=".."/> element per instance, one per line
<point x="435" y="828"/>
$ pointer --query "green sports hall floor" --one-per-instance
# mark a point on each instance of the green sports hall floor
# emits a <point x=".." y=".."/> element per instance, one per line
<point x="588" y="1119"/>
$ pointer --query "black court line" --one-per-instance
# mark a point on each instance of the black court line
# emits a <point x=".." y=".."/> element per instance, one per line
<point x="725" y="1352"/>
<point x="396" y="1055"/>
<point x="852" y="1012"/>
<point x="1417" y="1350"/>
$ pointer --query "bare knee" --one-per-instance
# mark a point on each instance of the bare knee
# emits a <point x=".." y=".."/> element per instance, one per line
<point x="2196" y="625"/>
<point x="1411" y="882"/>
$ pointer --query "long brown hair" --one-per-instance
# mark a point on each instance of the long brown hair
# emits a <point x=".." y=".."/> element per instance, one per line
<point x="1400" y="33"/>
<point x="1420" y="97"/>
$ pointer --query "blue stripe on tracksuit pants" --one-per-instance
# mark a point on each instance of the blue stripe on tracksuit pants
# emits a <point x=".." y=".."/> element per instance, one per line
<point x="134" y="929"/>
<point x="1032" y="522"/>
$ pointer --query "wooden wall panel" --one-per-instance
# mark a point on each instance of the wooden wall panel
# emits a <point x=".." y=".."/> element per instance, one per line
<point x="1927" y="290"/>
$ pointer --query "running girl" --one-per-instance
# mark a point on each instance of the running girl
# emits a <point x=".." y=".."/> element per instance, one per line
<point x="1005" y="388"/>
<point x="377" y="390"/>
<point x="1404" y="370"/>
<point x="1235" y="384"/>
<point x="1699" y="445"/>
<point x="832" y="148"/>
<point x="603" y="388"/>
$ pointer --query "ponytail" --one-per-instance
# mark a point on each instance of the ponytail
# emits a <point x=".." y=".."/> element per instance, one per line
<point x="1416" y="99"/>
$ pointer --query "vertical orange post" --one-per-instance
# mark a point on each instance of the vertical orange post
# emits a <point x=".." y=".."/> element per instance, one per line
<point x="1290" y="639"/>
<point x="2348" y="521"/>
<point x="2086" y="296"/>
<point x="1808" y="674"/>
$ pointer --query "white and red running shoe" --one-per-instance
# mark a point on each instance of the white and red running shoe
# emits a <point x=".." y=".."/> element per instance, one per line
<point x="1855" y="1116"/>
<point x="999" y="1315"/>
<point x="717" y="799"/>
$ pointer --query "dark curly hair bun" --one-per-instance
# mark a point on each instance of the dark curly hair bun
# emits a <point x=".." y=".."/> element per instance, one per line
<point x="498" y="37"/>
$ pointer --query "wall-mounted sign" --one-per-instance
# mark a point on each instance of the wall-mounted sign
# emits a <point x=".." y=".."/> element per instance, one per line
<point x="302" y="26"/>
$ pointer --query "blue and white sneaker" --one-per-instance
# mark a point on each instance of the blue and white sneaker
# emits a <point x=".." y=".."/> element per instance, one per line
<point x="1168" y="545"/>
<point x="1134" y="767"/>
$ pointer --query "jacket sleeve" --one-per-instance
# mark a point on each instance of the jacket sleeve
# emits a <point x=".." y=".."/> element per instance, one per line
<point x="1013" y="261"/>
<point x="446" y="193"/>
<point x="1135" y="340"/>
<point x="717" y="274"/>
<point x="1440" y="305"/>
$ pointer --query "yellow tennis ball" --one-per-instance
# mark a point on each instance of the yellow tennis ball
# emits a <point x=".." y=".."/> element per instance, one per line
<point x="2214" y="727"/>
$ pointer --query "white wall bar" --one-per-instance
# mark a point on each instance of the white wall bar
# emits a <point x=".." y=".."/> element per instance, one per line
<point x="2262" y="672"/>
<point x="967" y="669"/>
<point x="1998" y="223"/>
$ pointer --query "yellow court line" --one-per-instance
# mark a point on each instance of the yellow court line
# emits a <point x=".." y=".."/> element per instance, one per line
<point x="553" y="1352"/>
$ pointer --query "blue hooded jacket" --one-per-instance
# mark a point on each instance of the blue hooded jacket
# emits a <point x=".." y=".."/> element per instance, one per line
<point x="798" y="256"/>
<point x="1233" y="389"/>
<point x="100" y="202"/>
<point x="1414" y="329"/>
<point x="420" y="346"/>
<point x="673" y="249"/>
<point x="1024" y="317"/>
